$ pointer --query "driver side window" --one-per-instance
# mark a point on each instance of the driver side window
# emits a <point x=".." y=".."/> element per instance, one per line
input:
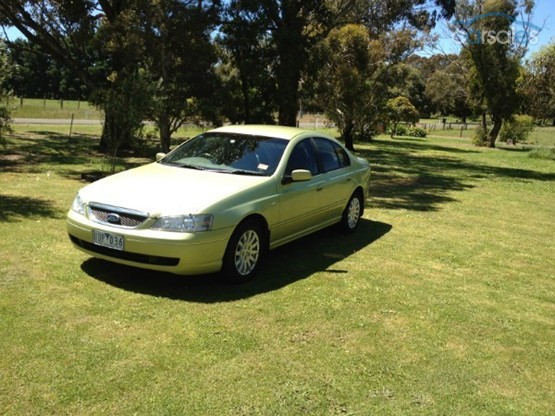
<point x="303" y="156"/>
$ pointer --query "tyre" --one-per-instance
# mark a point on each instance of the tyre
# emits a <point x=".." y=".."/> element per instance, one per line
<point x="244" y="252"/>
<point x="352" y="213"/>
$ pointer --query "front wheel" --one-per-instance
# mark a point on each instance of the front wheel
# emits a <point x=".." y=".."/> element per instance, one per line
<point x="244" y="252"/>
<point x="352" y="213"/>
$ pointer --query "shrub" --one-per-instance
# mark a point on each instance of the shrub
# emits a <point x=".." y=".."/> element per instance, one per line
<point x="417" y="132"/>
<point x="403" y="130"/>
<point x="400" y="130"/>
<point x="5" y="126"/>
<point x="6" y="69"/>
<point x="480" y="137"/>
<point x="517" y="129"/>
<point x="400" y="109"/>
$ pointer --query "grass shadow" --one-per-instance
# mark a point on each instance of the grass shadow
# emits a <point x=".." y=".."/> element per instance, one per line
<point x="53" y="149"/>
<point x="75" y="155"/>
<point x="15" y="208"/>
<point x="419" y="145"/>
<point x="422" y="177"/>
<point x="293" y="262"/>
<point x="405" y="178"/>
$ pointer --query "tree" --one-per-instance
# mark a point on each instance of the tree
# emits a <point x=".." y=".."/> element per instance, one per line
<point x="349" y="86"/>
<point x="247" y="65"/>
<point x="277" y="38"/>
<point x="494" y="62"/>
<point x="5" y="94"/>
<point x="296" y="26"/>
<point x="123" y="105"/>
<point x="380" y="16"/>
<point x="179" y="60"/>
<point x="274" y="37"/>
<point x="400" y="109"/>
<point x="407" y="80"/>
<point x="446" y="88"/>
<point x="538" y="85"/>
<point x="37" y="75"/>
<point x="97" y="40"/>
<point x="118" y="47"/>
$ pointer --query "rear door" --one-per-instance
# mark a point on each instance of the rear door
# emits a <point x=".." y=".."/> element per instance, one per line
<point x="336" y="176"/>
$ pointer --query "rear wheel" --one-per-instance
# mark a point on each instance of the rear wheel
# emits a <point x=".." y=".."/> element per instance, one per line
<point x="352" y="213"/>
<point x="244" y="252"/>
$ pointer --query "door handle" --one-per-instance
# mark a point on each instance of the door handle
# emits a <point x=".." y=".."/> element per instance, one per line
<point x="319" y="188"/>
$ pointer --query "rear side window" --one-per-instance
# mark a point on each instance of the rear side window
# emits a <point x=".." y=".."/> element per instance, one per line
<point x="332" y="156"/>
<point x="343" y="156"/>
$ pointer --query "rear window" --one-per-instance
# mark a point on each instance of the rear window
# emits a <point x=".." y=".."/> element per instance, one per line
<point x="332" y="156"/>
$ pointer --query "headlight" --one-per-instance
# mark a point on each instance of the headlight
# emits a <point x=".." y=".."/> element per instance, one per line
<point x="185" y="223"/>
<point x="78" y="205"/>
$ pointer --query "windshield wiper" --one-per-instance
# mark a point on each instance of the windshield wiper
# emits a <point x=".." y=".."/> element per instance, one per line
<point x="197" y="167"/>
<point x="184" y="165"/>
<point x="246" y="172"/>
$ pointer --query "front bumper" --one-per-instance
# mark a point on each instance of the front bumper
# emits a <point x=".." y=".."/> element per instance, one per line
<point x="179" y="253"/>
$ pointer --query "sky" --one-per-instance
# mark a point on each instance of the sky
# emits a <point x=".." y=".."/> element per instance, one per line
<point x="543" y="17"/>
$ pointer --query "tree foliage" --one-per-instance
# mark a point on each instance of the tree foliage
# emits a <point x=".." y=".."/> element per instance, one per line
<point x="5" y="94"/>
<point x="493" y="61"/>
<point x="350" y="87"/>
<point x="269" y="42"/>
<point x="179" y="60"/>
<point x="446" y="86"/>
<point x="538" y="86"/>
<point x="517" y="129"/>
<point x="400" y="109"/>
<point x="56" y="80"/>
<point x="247" y="68"/>
<point x="111" y="43"/>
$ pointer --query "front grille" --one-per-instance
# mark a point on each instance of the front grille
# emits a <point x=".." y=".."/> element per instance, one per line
<point x="125" y="255"/>
<point x="117" y="216"/>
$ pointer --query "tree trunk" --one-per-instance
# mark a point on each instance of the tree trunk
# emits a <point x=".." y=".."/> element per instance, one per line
<point x="246" y="98"/>
<point x="108" y="131"/>
<point x="116" y="132"/>
<point x="165" y="134"/>
<point x="105" y="136"/>
<point x="348" y="135"/>
<point x="290" y="47"/>
<point x="492" y="136"/>
<point x="288" y="82"/>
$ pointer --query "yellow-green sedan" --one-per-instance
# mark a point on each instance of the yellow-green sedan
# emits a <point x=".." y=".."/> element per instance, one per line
<point x="221" y="200"/>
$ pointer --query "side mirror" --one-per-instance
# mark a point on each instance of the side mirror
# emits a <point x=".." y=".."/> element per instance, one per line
<point x="299" y="175"/>
<point x="160" y="156"/>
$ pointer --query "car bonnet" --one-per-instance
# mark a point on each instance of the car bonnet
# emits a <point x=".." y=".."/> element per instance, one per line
<point x="168" y="190"/>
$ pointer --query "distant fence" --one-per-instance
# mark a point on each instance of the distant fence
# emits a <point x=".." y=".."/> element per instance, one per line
<point x="308" y="120"/>
<point x="50" y="104"/>
<point x="447" y="125"/>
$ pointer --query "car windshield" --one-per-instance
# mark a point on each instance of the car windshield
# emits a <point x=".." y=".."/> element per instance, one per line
<point x="229" y="153"/>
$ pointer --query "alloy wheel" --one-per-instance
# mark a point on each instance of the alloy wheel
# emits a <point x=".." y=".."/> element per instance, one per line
<point x="247" y="252"/>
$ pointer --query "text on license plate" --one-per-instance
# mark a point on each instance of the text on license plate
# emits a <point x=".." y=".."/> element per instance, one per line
<point x="109" y="240"/>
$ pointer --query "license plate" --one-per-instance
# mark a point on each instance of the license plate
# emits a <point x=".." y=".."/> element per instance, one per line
<point x="104" y="239"/>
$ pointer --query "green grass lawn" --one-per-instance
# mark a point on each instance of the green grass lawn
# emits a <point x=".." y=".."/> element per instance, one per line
<point x="54" y="109"/>
<point x="442" y="303"/>
<point x="540" y="136"/>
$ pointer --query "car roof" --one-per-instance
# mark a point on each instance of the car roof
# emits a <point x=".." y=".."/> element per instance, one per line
<point x="281" y="132"/>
